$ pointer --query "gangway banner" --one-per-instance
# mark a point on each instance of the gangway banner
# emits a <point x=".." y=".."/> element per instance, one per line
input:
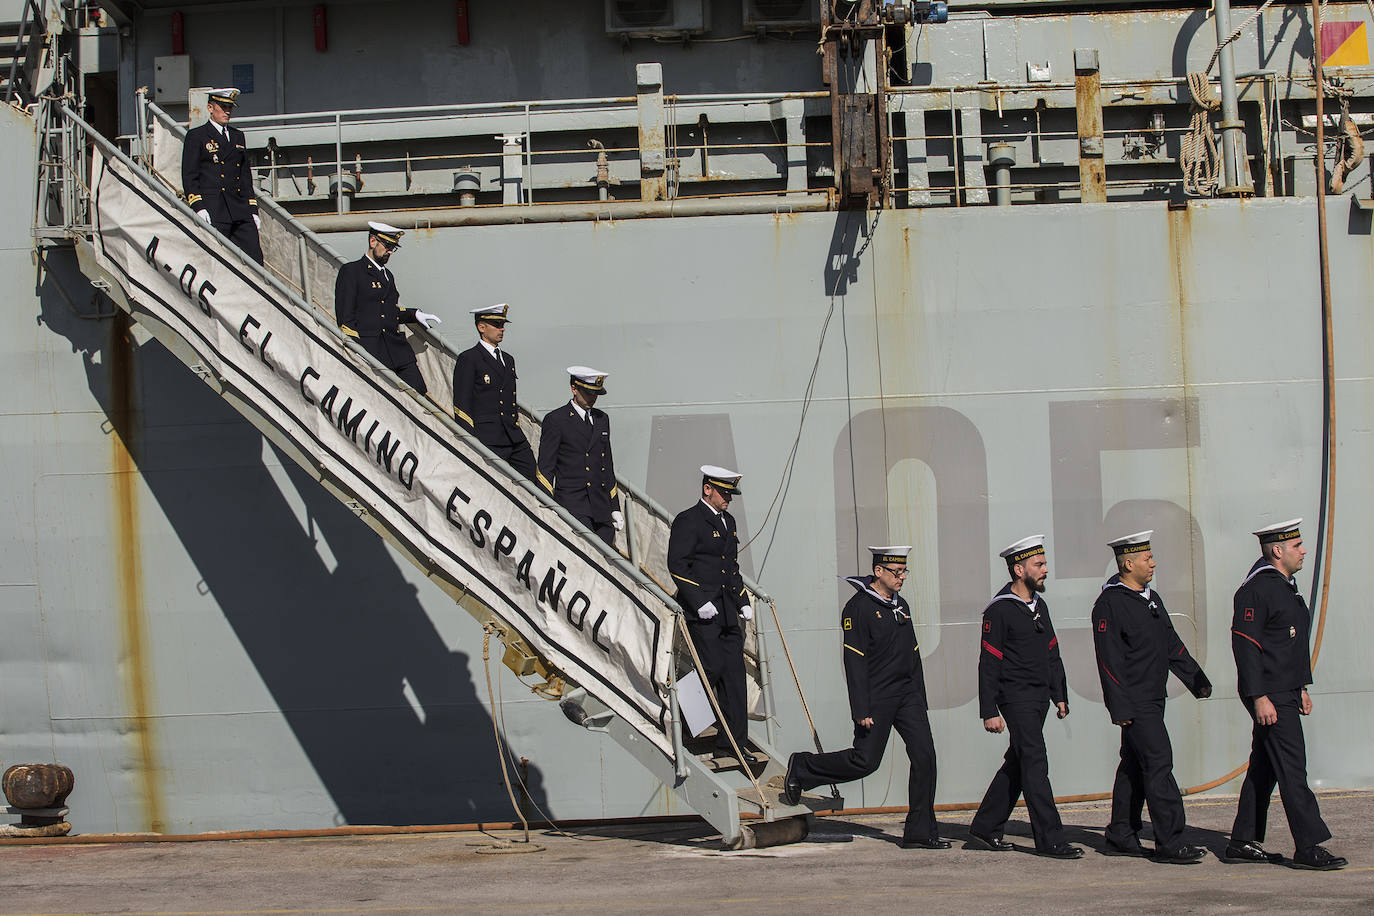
<point x="588" y="617"/>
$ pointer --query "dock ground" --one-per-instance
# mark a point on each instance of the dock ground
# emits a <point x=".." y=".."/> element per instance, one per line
<point x="848" y="864"/>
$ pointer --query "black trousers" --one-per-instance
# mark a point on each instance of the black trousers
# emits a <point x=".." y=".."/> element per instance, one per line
<point x="519" y="456"/>
<point x="909" y="717"/>
<point x="1025" y="771"/>
<point x="242" y="233"/>
<point x="1146" y="776"/>
<point x="720" y="643"/>
<point x="398" y="357"/>
<point x="1278" y="757"/>
<point x="603" y="530"/>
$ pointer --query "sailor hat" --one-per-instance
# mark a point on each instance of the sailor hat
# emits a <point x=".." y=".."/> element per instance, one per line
<point x="723" y="479"/>
<point x="493" y="314"/>
<point x="1131" y="543"/>
<point x="593" y="380"/>
<point x="1023" y="549"/>
<point x="389" y="234"/>
<point x="890" y="554"/>
<point x="1283" y="531"/>
<point x="224" y="98"/>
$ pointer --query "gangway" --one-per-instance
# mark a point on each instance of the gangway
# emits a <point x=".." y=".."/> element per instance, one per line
<point x="595" y="622"/>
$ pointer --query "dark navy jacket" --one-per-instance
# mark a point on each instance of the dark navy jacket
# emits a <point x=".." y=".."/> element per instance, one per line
<point x="1269" y="634"/>
<point x="882" y="657"/>
<point x="575" y="462"/>
<point x="366" y="307"/>
<point x="1017" y="663"/>
<point x="1137" y="647"/>
<point x="703" y="558"/>
<point x="215" y="173"/>
<point x="484" y="396"/>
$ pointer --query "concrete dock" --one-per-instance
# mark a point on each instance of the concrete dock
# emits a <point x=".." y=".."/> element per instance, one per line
<point x="848" y="864"/>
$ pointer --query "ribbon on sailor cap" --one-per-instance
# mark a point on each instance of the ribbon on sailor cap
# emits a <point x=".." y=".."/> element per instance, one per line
<point x="1131" y="543"/>
<point x="895" y="554"/>
<point x="1024" y="549"/>
<point x="389" y="234"/>
<point x="723" y="479"/>
<point x="492" y="313"/>
<point x="225" y="98"/>
<point x="1283" y="531"/>
<point x="593" y="380"/>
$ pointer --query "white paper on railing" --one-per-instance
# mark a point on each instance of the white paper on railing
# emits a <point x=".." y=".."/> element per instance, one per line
<point x="433" y="491"/>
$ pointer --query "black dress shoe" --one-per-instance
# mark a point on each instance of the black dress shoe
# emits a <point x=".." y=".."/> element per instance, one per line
<point x="1130" y="848"/>
<point x="1180" y="855"/>
<point x="936" y="843"/>
<point x="988" y="843"/>
<point x="1062" y="851"/>
<point x="791" y="786"/>
<point x="1249" y="852"/>
<point x="1318" y="859"/>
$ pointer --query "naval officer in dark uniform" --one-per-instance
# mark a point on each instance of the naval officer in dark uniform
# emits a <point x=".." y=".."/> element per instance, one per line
<point x="1137" y="647"/>
<point x="1270" y="641"/>
<point x="1019" y="675"/>
<point x="484" y="392"/>
<point x="703" y="558"/>
<point x="367" y="306"/>
<point x="887" y="690"/>
<point x="575" y="462"/>
<point x="216" y="176"/>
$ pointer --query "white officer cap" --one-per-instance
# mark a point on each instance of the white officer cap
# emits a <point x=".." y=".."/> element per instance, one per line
<point x="1023" y="549"/>
<point x="1131" y="543"/>
<point x="494" y="314"/>
<point x="722" y="479"/>
<point x="389" y="234"/>
<point x="1283" y="531"/>
<point x="225" y="98"/>
<point x="588" y="379"/>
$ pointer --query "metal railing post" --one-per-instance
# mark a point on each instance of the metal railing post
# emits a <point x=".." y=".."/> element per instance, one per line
<point x="338" y="162"/>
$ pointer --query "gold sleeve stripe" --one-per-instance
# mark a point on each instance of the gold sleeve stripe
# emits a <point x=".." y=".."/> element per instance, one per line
<point x="544" y="480"/>
<point x="193" y="199"/>
<point x="462" y="416"/>
<point x="687" y="580"/>
<point x="252" y="201"/>
<point x="347" y="330"/>
<point x="615" y="489"/>
<point x="852" y="649"/>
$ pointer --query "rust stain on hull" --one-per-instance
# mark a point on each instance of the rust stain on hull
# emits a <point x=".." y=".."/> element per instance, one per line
<point x="130" y="566"/>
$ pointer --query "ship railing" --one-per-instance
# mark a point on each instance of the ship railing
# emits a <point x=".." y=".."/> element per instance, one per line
<point x="304" y="264"/>
<point x="950" y="167"/>
<point x="541" y="152"/>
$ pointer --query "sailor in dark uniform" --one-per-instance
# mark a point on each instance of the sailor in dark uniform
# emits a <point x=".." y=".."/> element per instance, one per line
<point x="216" y="176"/>
<point x="1269" y="639"/>
<point x="887" y="690"/>
<point x="575" y="463"/>
<point x="703" y="558"/>
<point x="484" y="392"/>
<point x="1019" y="675"/>
<point x="366" y="306"/>
<point x="1137" y="647"/>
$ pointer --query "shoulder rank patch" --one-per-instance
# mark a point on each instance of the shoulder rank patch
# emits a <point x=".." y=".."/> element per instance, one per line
<point x="1249" y="613"/>
<point x="848" y="624"/>
<point x="987" y="626"/>
<point x="1102" y="626"/>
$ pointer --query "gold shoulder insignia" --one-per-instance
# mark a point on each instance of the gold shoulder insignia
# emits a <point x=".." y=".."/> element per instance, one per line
<point x="848" y="624"/>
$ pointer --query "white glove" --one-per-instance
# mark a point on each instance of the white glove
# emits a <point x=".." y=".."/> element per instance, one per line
<point x="707" y="611"/>
<point x="618" y="520"/>
<point x="426" y="319"/>
<point x="747" y="612"/>
<point x="257" y="221"/>
<point x="204" y="216"/>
